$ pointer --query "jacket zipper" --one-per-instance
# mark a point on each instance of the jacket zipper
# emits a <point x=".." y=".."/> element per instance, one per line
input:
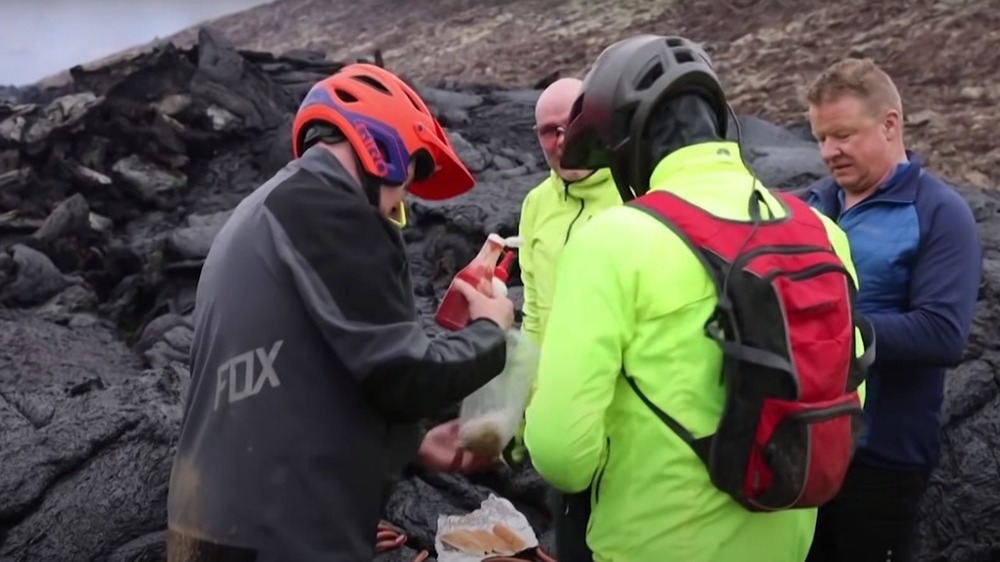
<point x="578" y="213"/>
<point x="600" y="473"/>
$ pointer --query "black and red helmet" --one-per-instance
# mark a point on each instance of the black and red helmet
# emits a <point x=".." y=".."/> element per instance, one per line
<point x="609" y="120"/>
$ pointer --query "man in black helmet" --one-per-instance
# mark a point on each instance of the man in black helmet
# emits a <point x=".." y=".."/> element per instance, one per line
<point x="629" y="391"/>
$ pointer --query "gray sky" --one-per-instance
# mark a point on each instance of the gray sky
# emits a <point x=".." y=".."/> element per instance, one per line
<point x="42" y="37"/>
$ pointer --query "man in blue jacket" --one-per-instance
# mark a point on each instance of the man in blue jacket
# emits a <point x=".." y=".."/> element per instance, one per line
<point x="919" y="260"/>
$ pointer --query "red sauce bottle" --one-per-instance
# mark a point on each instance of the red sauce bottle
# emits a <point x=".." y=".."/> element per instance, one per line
<point x="453" y="312"/>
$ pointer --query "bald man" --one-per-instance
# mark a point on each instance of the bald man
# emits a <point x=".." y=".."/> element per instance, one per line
<point x="550" y="214"/>
<point x="555" y="208"/>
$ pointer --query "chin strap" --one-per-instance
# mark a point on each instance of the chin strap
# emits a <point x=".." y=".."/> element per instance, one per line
<point x="372" y="188"/>
<point x="370" y="185"/>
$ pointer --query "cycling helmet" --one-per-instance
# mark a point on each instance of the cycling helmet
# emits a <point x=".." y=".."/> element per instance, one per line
<point x="608" y="122"/>
<point x="388" y="125"/>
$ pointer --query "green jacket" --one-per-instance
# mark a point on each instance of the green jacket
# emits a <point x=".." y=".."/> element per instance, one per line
<point x="549" y="214"/>
<point x="630" y="292"/>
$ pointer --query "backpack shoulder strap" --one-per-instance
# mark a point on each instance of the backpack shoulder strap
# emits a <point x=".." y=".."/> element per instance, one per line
<point x="683" y="219"/>
<point x="690" y="223"/>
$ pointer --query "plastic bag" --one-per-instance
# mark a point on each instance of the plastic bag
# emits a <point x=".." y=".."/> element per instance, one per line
<point x="490" y="416"/>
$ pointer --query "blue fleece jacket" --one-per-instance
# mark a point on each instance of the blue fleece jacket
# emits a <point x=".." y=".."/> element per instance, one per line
<point x="919" y="261"/>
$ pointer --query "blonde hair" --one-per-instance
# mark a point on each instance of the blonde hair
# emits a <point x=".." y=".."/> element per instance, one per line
<point x="859" y="77"/>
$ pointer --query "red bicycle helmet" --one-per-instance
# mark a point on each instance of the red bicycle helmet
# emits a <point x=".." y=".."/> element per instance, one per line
<point x="389" y="126"/>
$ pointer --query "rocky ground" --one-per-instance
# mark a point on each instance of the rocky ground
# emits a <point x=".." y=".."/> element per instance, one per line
<point x="111" y="191"/>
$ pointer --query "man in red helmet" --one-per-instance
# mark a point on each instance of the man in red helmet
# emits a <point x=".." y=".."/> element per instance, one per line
<point x="309" y="366"/>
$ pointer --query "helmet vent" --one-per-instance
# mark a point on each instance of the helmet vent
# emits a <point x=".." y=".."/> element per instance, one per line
<point x="371" y="82"/>
<point x="684" y="56"/>
<point x="345" y="96"/>
<point x="413" y="101"/>
<point x="650" y="77"/>
<point x="382" y="148"/>
<point x="674" y="42"/>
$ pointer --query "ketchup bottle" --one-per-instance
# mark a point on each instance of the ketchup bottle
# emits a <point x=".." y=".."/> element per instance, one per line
<point x="453" y="312"/>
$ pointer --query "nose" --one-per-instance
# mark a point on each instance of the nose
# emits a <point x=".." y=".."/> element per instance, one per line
<point x="829" y="149"/>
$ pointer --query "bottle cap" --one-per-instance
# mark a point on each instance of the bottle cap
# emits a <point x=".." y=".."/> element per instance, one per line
<point x="502" y="271"/>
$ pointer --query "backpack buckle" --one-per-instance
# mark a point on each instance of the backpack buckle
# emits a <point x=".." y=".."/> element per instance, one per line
<point x="722" y="310"/>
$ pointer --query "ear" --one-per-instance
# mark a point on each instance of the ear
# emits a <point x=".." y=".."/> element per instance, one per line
<point x="892" y="124"/>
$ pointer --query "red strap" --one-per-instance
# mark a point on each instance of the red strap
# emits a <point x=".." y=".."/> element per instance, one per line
<point x="725" y="237"/>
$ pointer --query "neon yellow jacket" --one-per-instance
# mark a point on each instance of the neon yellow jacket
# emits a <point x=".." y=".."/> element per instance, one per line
<point x="629" y="292"/>
<point x="549" y="214"/>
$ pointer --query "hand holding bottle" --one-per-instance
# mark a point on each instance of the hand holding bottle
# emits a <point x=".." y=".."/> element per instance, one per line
<point x="481" y="274"/>
<point x="497" y="308"/>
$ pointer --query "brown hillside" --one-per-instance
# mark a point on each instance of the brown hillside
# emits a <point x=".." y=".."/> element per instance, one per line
<point x="942" y="53"/>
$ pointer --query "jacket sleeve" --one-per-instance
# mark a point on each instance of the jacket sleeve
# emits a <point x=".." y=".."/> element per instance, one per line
<point x="581" y="359"/>
<point x="943" y="291"/>
<point x="842" y="247"/>
<point x="530" y="323"/>
<point x="349" y="267"/>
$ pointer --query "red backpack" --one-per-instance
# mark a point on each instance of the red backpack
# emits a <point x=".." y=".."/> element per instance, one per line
<point x="785" y="321"/>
